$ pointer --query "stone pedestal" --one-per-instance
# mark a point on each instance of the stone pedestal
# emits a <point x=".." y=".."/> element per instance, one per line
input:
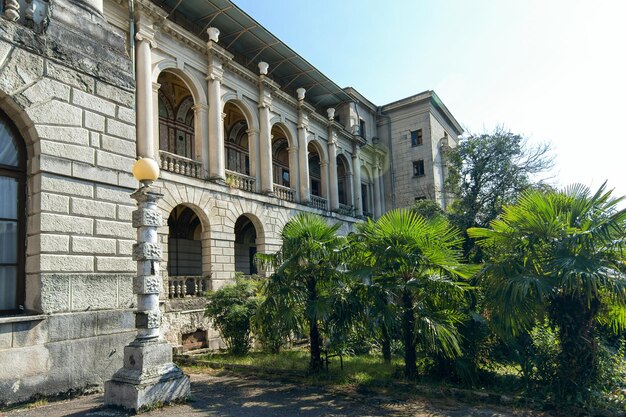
<point x="149" y="376"/>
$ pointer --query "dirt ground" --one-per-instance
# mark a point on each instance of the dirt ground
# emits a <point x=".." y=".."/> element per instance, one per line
<point x="236" y="396"/>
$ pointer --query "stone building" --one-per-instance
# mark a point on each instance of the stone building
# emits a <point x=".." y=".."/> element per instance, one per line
<point x="247" y="134"/>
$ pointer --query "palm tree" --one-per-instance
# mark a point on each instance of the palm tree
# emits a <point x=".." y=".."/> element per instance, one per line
<point x="561" y="254"/>
<point x="414" y="260"/>
<point x="306" y="271"/>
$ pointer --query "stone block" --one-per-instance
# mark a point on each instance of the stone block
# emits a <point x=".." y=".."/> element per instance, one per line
<point x="94" y="292"/>
<point x="147" y="217"/>
<point x="74" y="152"/>
<point x="94" y="245"/>
<point x="65" y="224"/>
<point x="48" y="243"/>
<point x="147" y="284"/>
<point x="55" y="292"/>
<point x="81" y="170"/>
<point x="72" y="326"/>
<point x="30" y="333"/>
<point x="115" y="229"/>
<point x="91" y="102"/>
<point x="65" y="263"/>
<point x="125" y="292"/>
<point x="18" y="364"/>
<point x="119" y="129"/>
<point x="94" y="121"/>
<point x="70" y="77"/>
<point x="45" y="89"/>
<point x="22" y="68"/>
<point x="126" y="114"/>
<point x="52" y="164"/>
<point x="115" y="94"/>
<point x="74" y="135"/>
<point x="125" y="247"/>
<point x="115" y="321"/>
<point x="119" y="146"/>
<point x="94" y="139"/>
<point x="93" y="208"/>
<point x="53" y="202"/>
<point x="64" y="185"/>
<point x="124" y="212"/>
<point x="145" y="356"/>
<point x="6" y="335"/>
<point x="56" y="113"/>
<point x="113" y="194"/>
<point x="115" y="264"/>
<point x="113" y="161"/>
<point x="127" y="180"/>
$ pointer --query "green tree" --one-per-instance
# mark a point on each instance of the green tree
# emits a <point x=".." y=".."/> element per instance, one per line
<point x="415" y="261"/>
<point x="232" y="308"/>
<point x="488" y="171"/>
<point x="560" y="254"/>
<point x="306" y="274"/>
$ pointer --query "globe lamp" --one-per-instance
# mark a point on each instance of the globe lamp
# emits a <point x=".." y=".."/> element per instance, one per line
<point x="146" y="171"/>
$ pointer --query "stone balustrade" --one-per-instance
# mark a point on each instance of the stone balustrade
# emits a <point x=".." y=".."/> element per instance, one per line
<point x="346" y="209"/>
<point x="319" y="202"/>
<point x="180" y="165"/>
<point x="284" y="193"/>
<point x="188" y="286"/>
<point x="240" y="181"/>
<point x="33" y="14"/>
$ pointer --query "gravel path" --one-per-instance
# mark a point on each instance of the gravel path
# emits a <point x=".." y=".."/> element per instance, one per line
<point x="234" y="396"/>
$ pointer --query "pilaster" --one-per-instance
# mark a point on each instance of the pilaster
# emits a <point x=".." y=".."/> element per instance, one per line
<point x="303" y="126"/>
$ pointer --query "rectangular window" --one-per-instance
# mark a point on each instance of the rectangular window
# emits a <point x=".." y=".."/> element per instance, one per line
<point x="362" y="128"/>
<point x="416" y="137"/>
<point x="418" y="168"/>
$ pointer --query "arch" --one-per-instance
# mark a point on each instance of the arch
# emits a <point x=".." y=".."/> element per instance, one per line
<point x="177" y="133"/>
<point x="283" y="164"/>
<point x="239" y="151"/>
<point x="318" y="170"/>
<point x="13" y="175"/>
<point x="194" y="85"/>
<point x="249" y="238"/>
<point x="367" y="194"/>
<point x="344" y="181"/>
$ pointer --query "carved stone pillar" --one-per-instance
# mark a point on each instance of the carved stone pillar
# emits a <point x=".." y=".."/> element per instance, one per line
<point x="333" y="183"/>
<point x="324" y="179"/>
<point x="303" y="157"/>
<point x="356" y="169"/>
<point x="349" y="181"/>
<point x="143" y="97"/>
<point x="155" y="120"/>
<point x="294" y="171"/>
<point x="377" y="194"/>
<point x="217" y="56"/>
<point x="201" y="137"/>
<point x="149" y="376"/>
<point x="265" y="137"/>
<point x="253" y="148"/>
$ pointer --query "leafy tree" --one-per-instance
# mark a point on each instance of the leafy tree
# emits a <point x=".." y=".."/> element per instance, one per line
<point x="302" y="288"/>
<point x="232" y="308"/>
<point x="488" y="171"/>
<point x="414" y="261"/>
<point x="560" y="254"/>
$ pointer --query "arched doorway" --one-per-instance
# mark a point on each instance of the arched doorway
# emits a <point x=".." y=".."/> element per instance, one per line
<point x="366" y="192"/>
<point x="317" y="176"/>
<point x="282" y="172"/>
<point x="12" y="221"/>
<point x="184" y="256"/>
<point x="343" y="181"/>
<point x="246" y="245"/>
<point x="236" y="143"/>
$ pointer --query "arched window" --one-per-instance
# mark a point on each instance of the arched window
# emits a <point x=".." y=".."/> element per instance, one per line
<point x="12" y="208"/>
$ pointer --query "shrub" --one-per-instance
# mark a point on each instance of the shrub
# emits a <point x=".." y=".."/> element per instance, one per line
<point x="231" y="308"/>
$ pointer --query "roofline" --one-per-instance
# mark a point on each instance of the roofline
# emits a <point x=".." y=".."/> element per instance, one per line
<point x="351" y="91"/>
<point x="434" y="100"/>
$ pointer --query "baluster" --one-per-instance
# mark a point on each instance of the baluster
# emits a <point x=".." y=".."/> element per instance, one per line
<point x="172" y="293"/>
<point x="11" y="10"/>
<point x="197" y="286"/>
<point x="171" y="164"/>
<point x="184" y="283"/>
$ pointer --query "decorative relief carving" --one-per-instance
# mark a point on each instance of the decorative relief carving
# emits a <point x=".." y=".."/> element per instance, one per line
<point x="149" y="284"/>
<point x="148" y="319"/>
<point x="147" y="217"/>
<point x="147" y="252"/>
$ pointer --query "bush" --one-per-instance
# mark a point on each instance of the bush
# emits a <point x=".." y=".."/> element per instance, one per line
<point x="231" y="308"/>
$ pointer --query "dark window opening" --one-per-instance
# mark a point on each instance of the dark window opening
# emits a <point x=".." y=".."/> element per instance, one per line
<point x="418" y="168"/>
<point x="416" y="137"/>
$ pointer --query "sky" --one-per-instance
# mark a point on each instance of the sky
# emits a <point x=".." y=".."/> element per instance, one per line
<point x="553" y="71"/>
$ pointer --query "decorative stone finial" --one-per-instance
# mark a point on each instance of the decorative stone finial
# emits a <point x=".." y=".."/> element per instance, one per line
<point x="214" y="34"/>
<point x="263" y="66"/>
<point x="301" y="92"/>
<point x="331" y="113"/>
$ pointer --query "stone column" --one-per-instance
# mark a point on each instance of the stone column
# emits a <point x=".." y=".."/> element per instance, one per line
<point x="356" y="169"/>
<point x="381" y="186"/>
<point x="201" y="139"/>
<point x="324" y="180"/>
<point x="155" y="121"/>
<point x="303" y="154"/>
<point x="253" y="148"/>
<point x="149" y="376"/>
<point x="143" y="96"/>
<point x="217" y="56"/>
<point x="265" y="137"/>
<point x="294" y="171"/>
<point x="377" y="195"/>
<point x="349" y="181"/>
<point x="333" y="183"/>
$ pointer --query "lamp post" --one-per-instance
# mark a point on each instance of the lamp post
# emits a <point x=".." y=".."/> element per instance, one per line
<point x="148" y="376"/>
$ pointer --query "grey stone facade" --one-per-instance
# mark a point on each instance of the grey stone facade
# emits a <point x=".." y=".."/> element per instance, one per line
<point x="67" y="84"/>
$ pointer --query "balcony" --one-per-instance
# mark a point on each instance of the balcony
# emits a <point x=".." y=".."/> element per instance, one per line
<point x="319" y="202"/>
<point x="284" y="193"/>
<point x="180" y="165"/>
<point x="240" y="181"/>
<point x="188" y="286"/>
<point x="346" y="209"/>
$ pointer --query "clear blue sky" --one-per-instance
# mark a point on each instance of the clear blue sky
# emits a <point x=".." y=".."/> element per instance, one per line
<point x="554" y="71"/>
